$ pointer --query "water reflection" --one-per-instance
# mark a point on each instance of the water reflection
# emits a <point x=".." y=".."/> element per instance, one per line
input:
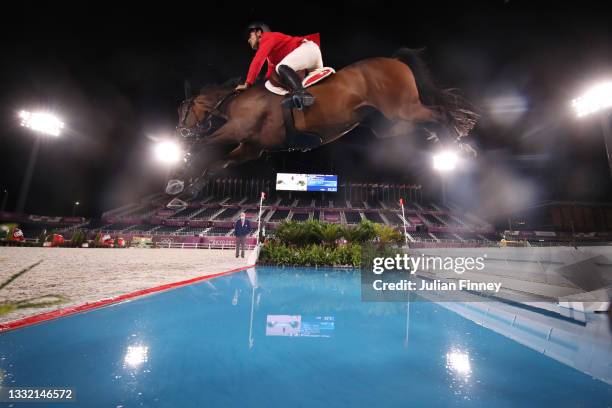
<point x="581" y="342"/>
<point x="135" y="356"/>
<point x="459" y="363"/>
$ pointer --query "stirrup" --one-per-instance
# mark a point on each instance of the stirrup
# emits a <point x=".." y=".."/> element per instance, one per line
<point x="298" y="100"/>
<point x="302" y="99"/>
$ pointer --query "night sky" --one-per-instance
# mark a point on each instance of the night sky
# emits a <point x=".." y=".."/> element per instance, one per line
<point x="115" y="75"/>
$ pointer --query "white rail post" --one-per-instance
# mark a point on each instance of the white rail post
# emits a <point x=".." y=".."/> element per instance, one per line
<point x="263" y="195"/>
<point x="404" y="219"/>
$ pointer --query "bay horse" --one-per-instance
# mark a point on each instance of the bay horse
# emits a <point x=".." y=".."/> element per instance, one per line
<point x="400" y="88"/>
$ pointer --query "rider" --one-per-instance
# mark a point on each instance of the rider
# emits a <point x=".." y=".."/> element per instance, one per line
<point x="287" y="55"/>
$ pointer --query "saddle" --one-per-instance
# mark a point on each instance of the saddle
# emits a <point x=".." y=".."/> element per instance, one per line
<point x="296" y="140"/>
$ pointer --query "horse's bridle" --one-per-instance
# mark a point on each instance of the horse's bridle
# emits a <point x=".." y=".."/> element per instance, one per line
<point x="205" y="126"/>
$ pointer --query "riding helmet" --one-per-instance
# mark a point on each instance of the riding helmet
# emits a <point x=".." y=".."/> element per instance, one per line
<point x="257" y="26"/>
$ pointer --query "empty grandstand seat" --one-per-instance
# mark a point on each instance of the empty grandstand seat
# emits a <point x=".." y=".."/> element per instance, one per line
<point x="95" y="223"/>
<point x="428" y="207"/>
<point x="300" y="216"/>
<point x="469" y="236"/>
<point x="207" y="213"/>
<point x="337" y="203"/>
<point x="228" y="213"/>
<point x="193" y="230"/>
<point x="114" y="227"/>
<point x="393" y="217"/>
<point x="167" y="229"/>
<point x="421" y="236"/>
<point x="491" y="236"/>
<point x="445" y="236"/>
<point x="279" y="215"/>
<point x="183" y="213"/>
<point x="285" y="202"/>
<point x="374" y="204"/>
<point x="448" y="220"/>
<point x="392" y="204"/>
<point x="219" y="230"/>
<point x="352" y="217"/>
<point x="374" y="217"/>
<point x="234" y="200"/>
<point x="304" y="202"/>
<point x="432" y="220"/>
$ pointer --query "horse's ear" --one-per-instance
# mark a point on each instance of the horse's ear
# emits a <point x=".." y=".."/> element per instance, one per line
<point x="187" y="86"/>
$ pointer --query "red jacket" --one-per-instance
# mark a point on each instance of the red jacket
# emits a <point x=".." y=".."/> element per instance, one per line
<point x="273" y="47"/>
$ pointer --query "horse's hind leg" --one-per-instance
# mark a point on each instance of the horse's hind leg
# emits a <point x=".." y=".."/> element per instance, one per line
<point x="434" y="123"/>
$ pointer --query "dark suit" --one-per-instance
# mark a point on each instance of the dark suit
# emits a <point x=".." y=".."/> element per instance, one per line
<point x="241" y="231"/>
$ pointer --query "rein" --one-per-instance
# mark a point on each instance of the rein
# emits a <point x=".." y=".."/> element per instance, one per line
<point x="205" y="125"/>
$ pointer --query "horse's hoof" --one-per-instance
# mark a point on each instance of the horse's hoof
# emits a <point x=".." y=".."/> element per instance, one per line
<point x="175" y="187"/>
<point x="176" y="204"/>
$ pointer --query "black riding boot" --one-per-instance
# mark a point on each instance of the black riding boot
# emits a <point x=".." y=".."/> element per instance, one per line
<point x="290" y="78"/>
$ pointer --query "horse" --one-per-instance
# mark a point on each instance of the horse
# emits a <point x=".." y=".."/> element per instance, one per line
<point x="399" y="88"/>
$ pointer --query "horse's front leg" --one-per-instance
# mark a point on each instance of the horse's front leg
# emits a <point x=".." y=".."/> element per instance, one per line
<point x="243" y="153"/>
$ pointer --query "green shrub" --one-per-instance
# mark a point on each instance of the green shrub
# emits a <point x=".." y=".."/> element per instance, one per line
<point x="277" y="253"/>
<point x="78" y="239"/>
<point x="313" y="243"/>
<point x="388" y="235"/>
<point x="363" y="232"/>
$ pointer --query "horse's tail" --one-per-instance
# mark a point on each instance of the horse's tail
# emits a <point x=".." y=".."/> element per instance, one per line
<point x="447" y="102"/>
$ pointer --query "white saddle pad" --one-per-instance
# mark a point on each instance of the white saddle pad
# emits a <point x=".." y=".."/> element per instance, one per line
<point x="312" y="78"/>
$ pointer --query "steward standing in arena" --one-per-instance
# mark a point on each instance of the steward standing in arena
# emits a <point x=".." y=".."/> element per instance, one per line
<point x="241" y="231"/>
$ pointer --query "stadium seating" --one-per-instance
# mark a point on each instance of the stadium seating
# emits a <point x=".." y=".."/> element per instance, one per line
<point x="279" y="215"/>
<point x="207" y="213"/>
<point x="219" y="231"/>
<point x="352" y="217"/>
<point x="374" y="217"/>
<point x="432" y="220"/>
<point x="421" y="236"/>
<point x="393" y="217"/>
<point x="228" y="214"/>
<point x="445" y="236"/>
<point x="300" y="216"/>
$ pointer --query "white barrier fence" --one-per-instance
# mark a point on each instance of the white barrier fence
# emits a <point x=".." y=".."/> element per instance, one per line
<point x="209" y="245"/>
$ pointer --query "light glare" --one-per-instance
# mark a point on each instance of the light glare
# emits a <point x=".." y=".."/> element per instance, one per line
<point x="136" y="355"/>
<point x="168" y="152"/>
<point x="41" y="122"/>
<point x="445" y="161"/>
<point x="458" y="362"/>
<point x="597" y="98"/>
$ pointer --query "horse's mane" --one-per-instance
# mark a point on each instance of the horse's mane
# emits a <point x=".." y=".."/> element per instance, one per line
<point x="227" y="86"/>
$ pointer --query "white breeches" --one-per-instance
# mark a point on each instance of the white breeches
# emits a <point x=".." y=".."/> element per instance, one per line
<point x="307" y="56"/>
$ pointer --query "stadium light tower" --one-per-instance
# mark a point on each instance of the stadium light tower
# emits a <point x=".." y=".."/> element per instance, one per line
<point x="43" y="124"/>
<point x="597" y="100"/>
<point x="445" y="162"/>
